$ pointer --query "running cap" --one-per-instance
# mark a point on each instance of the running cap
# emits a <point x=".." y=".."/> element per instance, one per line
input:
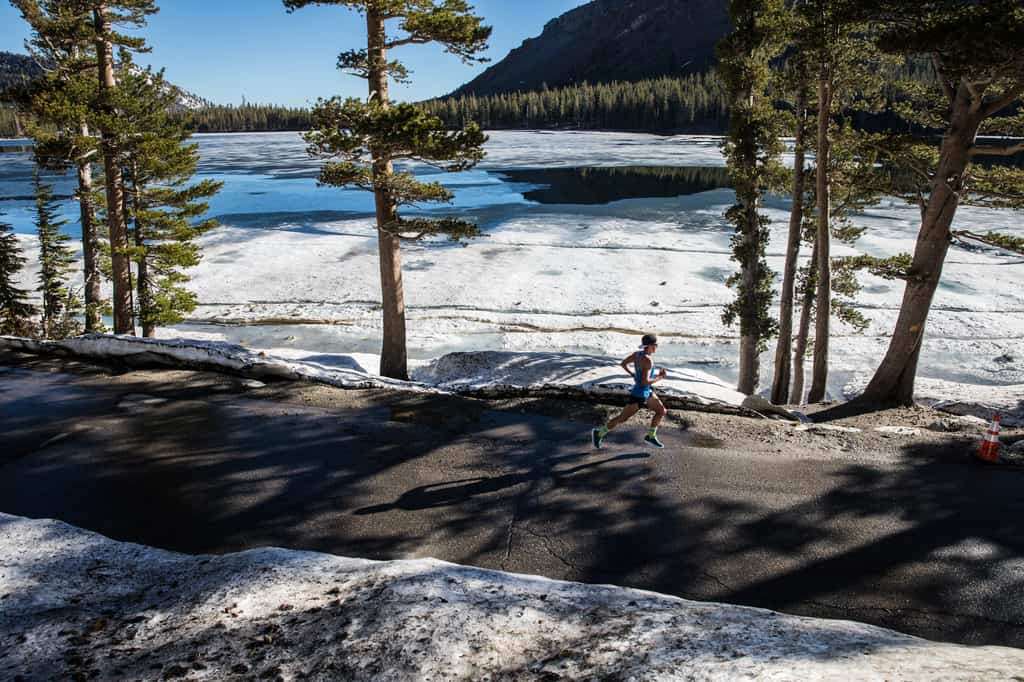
<point x="649" y="340"/>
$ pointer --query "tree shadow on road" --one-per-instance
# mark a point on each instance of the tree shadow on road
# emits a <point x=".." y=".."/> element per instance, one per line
<point x="931" y="544"/>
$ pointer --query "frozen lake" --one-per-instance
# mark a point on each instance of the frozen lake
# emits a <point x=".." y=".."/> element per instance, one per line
<point x="592" y="238"/>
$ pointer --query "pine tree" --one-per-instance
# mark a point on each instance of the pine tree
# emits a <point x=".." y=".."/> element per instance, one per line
<point x="164" y="211"/>
<point x="62" y="101"/>
<point x="107" y="15"/>
<point x="752" y="151"/>
<point x="56" y="265"/>
<point x="978" y="56"/>
<point x="15" y="311"/>
<point x="362" y="139"/>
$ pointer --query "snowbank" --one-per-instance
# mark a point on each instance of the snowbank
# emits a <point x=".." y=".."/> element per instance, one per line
<point x="78" y="605"/>
<point x="483" y="373"/>
<point x="492" y="373"/>
<point x="205" y="355"/>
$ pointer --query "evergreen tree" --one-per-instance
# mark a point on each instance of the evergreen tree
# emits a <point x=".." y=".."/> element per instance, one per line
<point x="366" y="137"/>
<point x="56" y="264"/>
<point x="62" y="101"/>
<point x="164" y="211"/>
<point x="978" y="57"/>
<point x="107" y="15"/>
<point x="752" y="151"/>
<point x="15" y="311"/>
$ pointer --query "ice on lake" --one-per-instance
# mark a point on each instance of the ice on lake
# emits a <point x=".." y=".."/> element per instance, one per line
<point x="591" y="239"/>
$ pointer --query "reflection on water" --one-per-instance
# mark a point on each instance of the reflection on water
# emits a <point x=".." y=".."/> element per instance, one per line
<point x="605" y="185"/>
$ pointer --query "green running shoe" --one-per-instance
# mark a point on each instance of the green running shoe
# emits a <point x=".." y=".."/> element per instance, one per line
<point x="653" y="441"/>
<point x="597" y="437"/>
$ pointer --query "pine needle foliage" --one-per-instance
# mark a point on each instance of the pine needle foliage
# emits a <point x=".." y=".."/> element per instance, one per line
<point x="752" y="149"/>
<point x="61" y="302"/>
<point x="361" y="141"/>
<point x="164" y="208"/>
<point x="16" y="312"/>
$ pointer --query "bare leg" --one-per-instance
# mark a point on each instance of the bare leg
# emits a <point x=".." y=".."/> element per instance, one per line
<point x="654" y="404"/>
<point x="627" y="412"/>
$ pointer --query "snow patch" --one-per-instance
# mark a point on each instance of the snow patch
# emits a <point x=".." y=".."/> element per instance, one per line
<point x="484" y="373"/>
<point x="287" y="614"/>
<point x="495" y="373"/>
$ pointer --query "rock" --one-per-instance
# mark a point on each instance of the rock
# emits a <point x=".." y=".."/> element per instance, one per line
<point x="763" y="406"/>
<point x="1005" y="359"/>
<point x="825" y="429"/>
<point x="1017" y="447"/>
<point x="898" y="430"/>
<point x="961" y="423"/>
<point x="252" y="383"/>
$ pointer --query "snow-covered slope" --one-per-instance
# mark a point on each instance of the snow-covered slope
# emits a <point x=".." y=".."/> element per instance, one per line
<point x="74" y="604"/>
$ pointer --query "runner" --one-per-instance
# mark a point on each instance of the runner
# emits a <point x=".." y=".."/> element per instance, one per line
<point x="642" y="395"/>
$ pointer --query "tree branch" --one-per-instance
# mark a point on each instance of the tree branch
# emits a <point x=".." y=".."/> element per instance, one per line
<point x="411" y="40"/>
<point x="1006" y="100"/>
<point x="988" y="150"/>
<point x="1007" y="243"/>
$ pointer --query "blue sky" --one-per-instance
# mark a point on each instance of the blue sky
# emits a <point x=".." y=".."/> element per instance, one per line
<point x="224" y="49"/>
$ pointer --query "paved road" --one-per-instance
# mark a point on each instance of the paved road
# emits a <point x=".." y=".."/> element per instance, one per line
<point x="928" y="546"/>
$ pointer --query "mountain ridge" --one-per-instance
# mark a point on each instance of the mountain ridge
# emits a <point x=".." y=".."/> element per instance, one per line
<point x="19" y="70"/>
<point x="611" y="40"/>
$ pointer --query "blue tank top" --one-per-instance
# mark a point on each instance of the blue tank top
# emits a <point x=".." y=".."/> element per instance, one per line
<point x="639" y="390"/>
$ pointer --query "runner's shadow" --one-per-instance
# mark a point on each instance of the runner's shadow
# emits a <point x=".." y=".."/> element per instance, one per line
<point x="455" y="492"/>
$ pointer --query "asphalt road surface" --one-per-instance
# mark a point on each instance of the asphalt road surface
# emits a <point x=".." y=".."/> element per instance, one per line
<point x="925" y="545"/>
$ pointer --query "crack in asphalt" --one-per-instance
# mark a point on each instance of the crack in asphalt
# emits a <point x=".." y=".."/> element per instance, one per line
<point x="508" y="539"/>
<point x="718" y="580"/>
<point x="546" y="542"/>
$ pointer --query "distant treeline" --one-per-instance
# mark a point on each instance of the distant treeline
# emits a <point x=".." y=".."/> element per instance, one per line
<point x="695" y="103"/>
<point x="246" y="118"/>
<point x="211" y="119"/>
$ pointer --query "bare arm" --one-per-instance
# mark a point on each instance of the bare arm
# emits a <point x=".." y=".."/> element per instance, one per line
<point x="630" y="359"/>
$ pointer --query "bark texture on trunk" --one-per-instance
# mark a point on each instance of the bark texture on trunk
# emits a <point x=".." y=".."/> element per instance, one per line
<point x="142" y="284"/>
<point x="823" y="304"/>
<point x="803" y="332"/>
<point x="120" y="265"/>
<point x="893" y="382"/>
<point x="781" y="380"/>
<point x="90" y="240"/>
<point x="393" y="357"/>
<point x="749" y="369"/>
<point x="750" y="364"/>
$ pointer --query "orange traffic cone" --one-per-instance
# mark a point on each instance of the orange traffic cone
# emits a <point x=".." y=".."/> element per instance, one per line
<point x="989" y="450"/>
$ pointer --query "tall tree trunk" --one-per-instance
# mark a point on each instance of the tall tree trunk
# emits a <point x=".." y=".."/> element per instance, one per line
<point x="393" y="360"/>
<point x="90" y="241"/>
<point x="120" y="265"/>
<point x="823" y="304"/>
<point x="749" y="272"/>
<point x="142" y="285"/>
<point x="780" y="383"/>
<point x="803" y="332"/>
<point x="893" y="382"/>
